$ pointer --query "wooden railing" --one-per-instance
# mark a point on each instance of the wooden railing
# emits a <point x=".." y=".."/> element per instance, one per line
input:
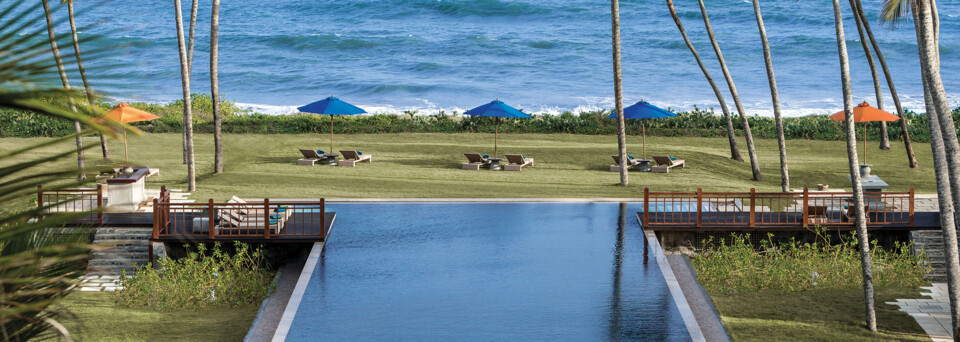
<point x="60" y="201"/>
<point x="260" y="220"/>
<point x="752" y="209"/>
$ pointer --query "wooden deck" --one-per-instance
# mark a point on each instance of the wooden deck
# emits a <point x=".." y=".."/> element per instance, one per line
<point x="300" y="227"/>
<point x="739" y="222"/>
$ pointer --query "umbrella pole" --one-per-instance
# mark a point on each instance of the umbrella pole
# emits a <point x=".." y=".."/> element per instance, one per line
<point x="864" y="143"/>
<point x="496" y="135"/>
<point x="643" y="128"/>
<point x="125" y="161"/>
<point x="331" y="134"/>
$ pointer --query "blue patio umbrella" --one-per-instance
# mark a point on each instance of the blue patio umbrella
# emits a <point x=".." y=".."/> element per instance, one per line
<point x="331" y="106"/>
<point x="498" y="110"/>
<point x="644" y="110"/>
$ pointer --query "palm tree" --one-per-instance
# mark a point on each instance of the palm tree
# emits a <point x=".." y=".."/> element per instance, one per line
<point x="66" y="83"/>
<point x="884" y="138"/>
<point x="943" y="139"/>
<point x="83" y="73"/>
<point x="618" y="92"/>
<point x="731" y="135"/>
<point x="861" y="221"/>
<point x="781" y="141"/>
<point x="39" y="264"/>
<point x="905" y="132"/>
<point x="187" y="112"/>
<point x="215" y="87"/>
<point x="754" y="163"/>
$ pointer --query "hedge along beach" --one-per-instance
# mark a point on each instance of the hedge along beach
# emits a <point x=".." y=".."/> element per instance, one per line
<point x="426" y="55"/>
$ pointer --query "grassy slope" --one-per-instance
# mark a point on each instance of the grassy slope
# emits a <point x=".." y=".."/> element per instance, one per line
<point x="100" y="320"/>
<point x="428" y="165"/>
<point x="822" y="315"/>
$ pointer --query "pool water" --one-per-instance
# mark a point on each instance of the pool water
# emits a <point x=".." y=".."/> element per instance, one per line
<point x="487" y="271"/>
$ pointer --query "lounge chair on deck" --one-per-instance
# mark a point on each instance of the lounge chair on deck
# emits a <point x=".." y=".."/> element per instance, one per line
<point x="475" y="161"/>
<point x="630" y="163"/>
<point x="310" y="157"/>
<point x="664" y="164"/>
<point x="352" y="157"/>
<point x="516" y="162"/>
<point x="244" y="218"/>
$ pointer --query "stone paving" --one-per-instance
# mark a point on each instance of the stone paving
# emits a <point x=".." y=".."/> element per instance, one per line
<point x="92" y="282"/>
<point x="932" y="314"/>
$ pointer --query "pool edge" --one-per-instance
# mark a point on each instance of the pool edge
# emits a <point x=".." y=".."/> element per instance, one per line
<point x="689" y="319"/>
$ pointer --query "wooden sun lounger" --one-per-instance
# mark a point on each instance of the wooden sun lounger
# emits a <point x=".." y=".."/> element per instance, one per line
<point x="516" y="162"/>
<point x="664" y="164"/>
<point x="475" y="161"/>
<point x="352" y="157"/>
<point x="310" y="157"/>
<point x="616" y="163"/>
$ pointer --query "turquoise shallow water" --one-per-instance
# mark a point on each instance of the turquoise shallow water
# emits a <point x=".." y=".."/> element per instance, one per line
<point x="487" y="271"/>
<point x="391" y="55"/>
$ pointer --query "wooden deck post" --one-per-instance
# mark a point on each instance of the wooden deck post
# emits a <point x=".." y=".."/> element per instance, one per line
<point x="156" y="218"/>
<point x="210" y="231"/>
<point x="323" y="219"/>
<point x="646" y="207"/>
<point x="806" y="206"/>
<point x="39" y="200"/>
<point x="266" y="222"/>
<point x="100" y="204"/>
<point x="911" y="207"/>
<point x="753" y="207"/>
<point x="699" y="207"/>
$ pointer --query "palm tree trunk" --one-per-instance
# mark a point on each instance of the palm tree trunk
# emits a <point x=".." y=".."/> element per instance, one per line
<point x="83" y="75"/>
<point x="66" y="83"/>
<point x="731" y="135"/>
<point x="193" y="28"/>
<point x="884" y="138"/>
<point x="937" y="109"/>
<point x="905" y="132"/>
<point x="618" y="92"/>
<point x="187" y="110"/>
<point x="215" y="87"/>
<point x="751" y="150"/>
<point x="862" y="237"/>
<point x="781" y="141"/>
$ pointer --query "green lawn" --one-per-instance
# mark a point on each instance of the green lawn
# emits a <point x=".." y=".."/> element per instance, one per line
<point x="99" y="319"/>
<point x="568" y="166"/>
<point x="822" y="315"/>
<point x="428" y="165"/>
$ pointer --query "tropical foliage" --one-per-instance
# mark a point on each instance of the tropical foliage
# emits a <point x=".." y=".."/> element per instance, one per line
<point x="201" y="280"/>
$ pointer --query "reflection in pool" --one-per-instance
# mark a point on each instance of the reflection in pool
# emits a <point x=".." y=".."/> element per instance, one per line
<point x="487" y="271"/>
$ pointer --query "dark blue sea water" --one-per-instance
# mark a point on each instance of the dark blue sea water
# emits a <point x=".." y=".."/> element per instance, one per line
<point x="391" y="55"/>
<point x="487" y="272"/>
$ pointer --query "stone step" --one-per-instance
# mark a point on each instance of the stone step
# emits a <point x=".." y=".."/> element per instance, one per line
<point x="111" y="270"/>
<point x="126" y="242"/>
<point x="120" y="236"/>
<point x="137" y="230"/>
<point x="118" y="261"/>
<point x="120" y="254"/>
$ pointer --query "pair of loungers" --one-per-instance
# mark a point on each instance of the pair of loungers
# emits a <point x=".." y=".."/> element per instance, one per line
<point x="664" y="163"/>
<point x="240" y="217"/>
<point x="350" y="157"/>
<point x="515" y="162"/>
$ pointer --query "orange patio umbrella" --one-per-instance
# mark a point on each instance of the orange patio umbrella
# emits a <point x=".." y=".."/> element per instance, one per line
<point x="123" y="113"/>
<point x="864" y="113"/>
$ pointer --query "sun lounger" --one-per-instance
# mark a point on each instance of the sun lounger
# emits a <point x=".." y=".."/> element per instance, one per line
<point x="244" y="218"/>
<point x="630" y="163"/>
<point x="475" y="161"/>
<point x="516" y="162"/>
<point x="352" y="157"/>
<point x="664" y="164"/>
<point x="310" y="157"/>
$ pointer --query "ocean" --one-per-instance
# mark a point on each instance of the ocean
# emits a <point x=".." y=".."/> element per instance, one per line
<point x="541" y="56"/>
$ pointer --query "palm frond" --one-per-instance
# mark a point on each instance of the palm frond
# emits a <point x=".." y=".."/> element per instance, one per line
<point x="894" y="12"/>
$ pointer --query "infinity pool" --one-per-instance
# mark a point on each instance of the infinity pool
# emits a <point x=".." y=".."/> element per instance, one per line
<point x="487" y="271"/>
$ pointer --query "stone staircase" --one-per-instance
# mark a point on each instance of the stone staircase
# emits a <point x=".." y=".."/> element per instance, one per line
<point x="129" y="249"/>
<point x="931" y="242"/>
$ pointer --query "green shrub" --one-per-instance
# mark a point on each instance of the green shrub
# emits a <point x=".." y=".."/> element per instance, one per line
<point x="200" y="280"/>
<point x="740" y="266"/>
